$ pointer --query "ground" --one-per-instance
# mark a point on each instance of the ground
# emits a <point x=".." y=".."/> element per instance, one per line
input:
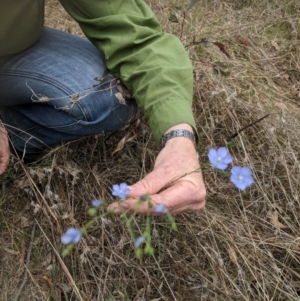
<point x="243" y="245"/>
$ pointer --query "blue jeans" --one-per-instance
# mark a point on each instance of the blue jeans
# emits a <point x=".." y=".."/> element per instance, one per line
<point x="59" y="90"/>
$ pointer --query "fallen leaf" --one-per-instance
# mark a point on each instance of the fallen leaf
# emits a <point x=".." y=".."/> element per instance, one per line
<point x="294" y="90"/>
<point x="280" y="105"/>
<point x="173" y="19"/>
<point x="285" y="76"/>
<point x="244" y="41"/>
<point x="232" y="255"/>
<point x="276" y="222"/>
<point x="222" y="48"/>
<point x="120" y="145"/>
<point x="275" y="45"/>
<point x="48" y="280"/>
<point x="122" y="142"/>
<point x="36" y="207"/>
<point x="25" y="181"/>
<point x="24" y="222"/>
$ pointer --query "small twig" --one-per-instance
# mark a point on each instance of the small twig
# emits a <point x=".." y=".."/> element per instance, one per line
<point x="247" y="126"/>
<point x="26" y="264"/>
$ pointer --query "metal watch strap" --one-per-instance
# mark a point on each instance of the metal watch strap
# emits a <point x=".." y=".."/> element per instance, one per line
<point x="177" y="133"/>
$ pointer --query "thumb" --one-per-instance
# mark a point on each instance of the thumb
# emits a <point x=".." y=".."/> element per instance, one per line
<point x="152" y="183"/>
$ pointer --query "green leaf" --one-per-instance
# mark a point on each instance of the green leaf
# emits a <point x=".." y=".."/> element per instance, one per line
<point x="173" y="19"/>
<point x="67" y="250"/>
<point x="192" y="3"/>
<point x="138" y="252"/>
<point x="149" y="250"/>
<point x="92" y="211"/>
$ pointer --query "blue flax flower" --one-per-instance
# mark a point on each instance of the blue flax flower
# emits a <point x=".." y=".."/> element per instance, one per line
<point x="96" y="203"/>
<point x="138" y="242"/>
<point x="241" y="177"/>
<point x="160" y="208"/>
<point x="219" y="158"/>
<point x="121" y="191"/>
<point x="72" y="236"/>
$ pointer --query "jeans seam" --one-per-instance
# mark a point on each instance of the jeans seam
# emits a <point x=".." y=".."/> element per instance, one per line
<point x="44" y="79"/>
<point x="65" y="125"/>
<point x="40" y="77"/>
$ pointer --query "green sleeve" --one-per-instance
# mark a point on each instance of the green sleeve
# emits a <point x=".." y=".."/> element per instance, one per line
<point x="153" y="65"/>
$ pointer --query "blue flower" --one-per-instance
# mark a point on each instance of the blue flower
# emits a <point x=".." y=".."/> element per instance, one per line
<point x="121" y="191"/>
<point x="219" y="158"/>
<point x="72" y="236"/>
<point x="96" y="203"/>
<point x="139" y="241"/>
<point x="241" y="177"/>
<point x="160" y="208"/>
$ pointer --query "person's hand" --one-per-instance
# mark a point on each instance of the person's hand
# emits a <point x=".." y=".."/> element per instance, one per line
<point x="176" y="181"/>
<point x="4" y="150"/>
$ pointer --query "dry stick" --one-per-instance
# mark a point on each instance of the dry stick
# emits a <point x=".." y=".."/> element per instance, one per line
<point x="69" y="276"/>
<point x="26" y="264"/>
<point x="245" y="127"/>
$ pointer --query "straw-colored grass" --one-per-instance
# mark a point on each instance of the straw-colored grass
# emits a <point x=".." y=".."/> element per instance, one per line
<point x="242" y="246"/>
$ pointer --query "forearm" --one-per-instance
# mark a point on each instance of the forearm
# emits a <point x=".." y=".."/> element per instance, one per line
<point x="153" y="65"/>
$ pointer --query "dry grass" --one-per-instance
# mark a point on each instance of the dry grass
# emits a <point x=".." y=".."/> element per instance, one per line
<point x="242" y="246"/>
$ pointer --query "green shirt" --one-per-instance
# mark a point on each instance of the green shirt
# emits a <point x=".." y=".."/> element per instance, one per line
<point x="153" y="65"/>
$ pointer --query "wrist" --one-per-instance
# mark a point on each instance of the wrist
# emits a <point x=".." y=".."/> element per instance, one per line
<point x="183" y="126"/>
<point x="181" y="133"/>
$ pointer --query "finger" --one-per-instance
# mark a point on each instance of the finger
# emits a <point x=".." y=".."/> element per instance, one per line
<point x="155" y="181"/>
<point x="150" y="184"/>
<point x="177" y="199"/>
<point x="4" y="161"/>
<point x="182" y="197"/>
<point x="132" y="206"/>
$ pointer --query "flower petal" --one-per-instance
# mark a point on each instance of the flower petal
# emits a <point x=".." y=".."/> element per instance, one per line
<point x="248" y="181"/>
<point x="222" y="152"/>
<point x="240" y="185"/>
<point x="77" y="237"/>
<point x="139" y="241"/>
<point x="246" y="171"/>
<point x="236" y="170"/>
<point x="115" y="190"/>
<point x="72" y="235"/>
<point x="221" y="166"/>
<point x="160" y="208"/>
<point x="227" y="159"/>
<point x="96" y="203"/>
<point x="212" y="156"/>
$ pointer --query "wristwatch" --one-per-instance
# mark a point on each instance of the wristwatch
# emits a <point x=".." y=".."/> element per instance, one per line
<point x="177" y="133"/>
